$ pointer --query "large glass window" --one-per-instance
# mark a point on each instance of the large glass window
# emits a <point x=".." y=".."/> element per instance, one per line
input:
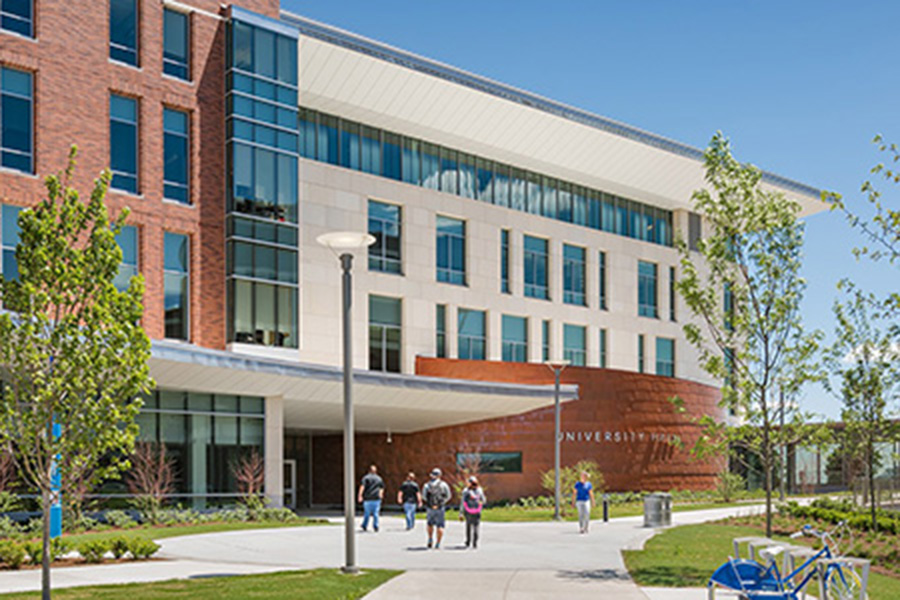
<point x="17" y="16"/>
<point x="575" y="344"/>
<point x="573" y="275"/>
<point x="451" y="250"/>
<point x="441" y="331"/>
<point x="601" y="279"/>
<point x="545" y="341"/>
<point x="176" y="44"/>
<point x="665" y="357"/>
<point x="177" y="284"/>
<point x="536" y="267"/>
<point x="695" y="231"/>
<point x="504" y="261"/>
<point x="385" y="330"/>
<point x="647" y="290"/>
<point x="123" y="142"/>
<point x="176" y="159"/>
<point x="9" y="239"/>
<point x="602" y="361"/>
<point x="16" y="120"/>
<point x="515" y="339"/>
<point x="490" y="462"/>
<point x="128" y="268"/>
<point x="472" y="335"/>
<point x="123" y="31"/>
<point x="728" y="306"/>
<point x="385" y="227"/>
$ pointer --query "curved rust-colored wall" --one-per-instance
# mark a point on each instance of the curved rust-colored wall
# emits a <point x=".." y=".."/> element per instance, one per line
<point x="622" y="420"/>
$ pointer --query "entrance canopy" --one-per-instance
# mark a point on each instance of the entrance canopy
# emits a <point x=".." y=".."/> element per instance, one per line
<point x="313" y="394"/>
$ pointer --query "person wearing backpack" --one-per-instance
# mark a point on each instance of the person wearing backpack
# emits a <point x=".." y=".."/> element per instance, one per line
<point x="470" y="505"/>
<point x="437" y="494"/>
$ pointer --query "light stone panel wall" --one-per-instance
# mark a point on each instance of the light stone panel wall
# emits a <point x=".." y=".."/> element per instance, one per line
<point x="334" y="198"/>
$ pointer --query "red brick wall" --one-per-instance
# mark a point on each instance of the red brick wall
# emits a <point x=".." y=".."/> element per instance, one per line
<point x="632" y="408"/>
<point x="73" y="79"/>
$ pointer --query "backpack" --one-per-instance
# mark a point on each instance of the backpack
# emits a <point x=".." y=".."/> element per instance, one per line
<point x="471" y="502"/>
<point x="437" y="493"/>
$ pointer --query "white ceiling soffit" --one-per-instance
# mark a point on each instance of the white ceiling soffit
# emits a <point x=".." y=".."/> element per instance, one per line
<point x="360" y="79"/>
<point x="313" y="394"/>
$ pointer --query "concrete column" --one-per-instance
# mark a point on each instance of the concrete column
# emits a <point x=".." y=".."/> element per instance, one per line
<point x="535" y="339"/>
<point x="198" y="442"/>
<point x="592" y="345"/>
<point x="494" y="332"/>
<point x="555" y="271"/>
<point x="516" y="263"/>
<point x="452" y="335"/>
<point x="274" y="451"/>
<point x="556" y="340"/>
<point x="592" y="278"/>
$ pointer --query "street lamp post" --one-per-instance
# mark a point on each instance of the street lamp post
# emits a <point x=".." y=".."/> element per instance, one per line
<point x="343" y="244"/>
<point x="557" y="367"/>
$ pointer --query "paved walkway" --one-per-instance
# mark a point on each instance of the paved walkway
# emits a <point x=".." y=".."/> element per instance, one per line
<point x="514" y="560"/>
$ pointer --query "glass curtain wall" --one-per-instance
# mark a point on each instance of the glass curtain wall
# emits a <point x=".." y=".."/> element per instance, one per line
<point x="418" y="162"/>
<point x="647" y="290"/>
<point x="573" y="275"/>
<point x="536" y="259"/>
<point x="515" y="339"/>
<point x="451" y="250"/>
<point x="665" y="357"/>
<point x="472" y="335"/>
<point x="262" y="152"/>
<point x="177" y="260"/>
<point x="385" y="227"/>
<point x="575" y="344"/>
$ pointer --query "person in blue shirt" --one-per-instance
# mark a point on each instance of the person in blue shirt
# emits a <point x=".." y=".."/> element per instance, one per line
<point x="584" y="498"/>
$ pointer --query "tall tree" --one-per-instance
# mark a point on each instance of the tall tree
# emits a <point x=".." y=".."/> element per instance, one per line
<point x="744" y="288"/>
<point x="865" y="359"/>
<point x="73" y="355"/>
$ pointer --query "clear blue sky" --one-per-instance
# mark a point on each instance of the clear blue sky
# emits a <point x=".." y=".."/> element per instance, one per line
<point x="800" y="87"/>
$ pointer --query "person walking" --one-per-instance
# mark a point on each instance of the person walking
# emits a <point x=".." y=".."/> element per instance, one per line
<point x="410" y="498"/>
<point x="584" y="499"/>
<point x="371" y="492"/>
<point x="470" y="504"/>
<point x="436" y="494"/>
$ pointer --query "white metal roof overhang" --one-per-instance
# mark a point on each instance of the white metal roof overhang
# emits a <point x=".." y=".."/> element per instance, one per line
<point x="361" y="79"/>
<point x="313" y="394"/>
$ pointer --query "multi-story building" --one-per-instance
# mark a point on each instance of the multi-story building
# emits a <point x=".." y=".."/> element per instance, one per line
<point x="510" y="230"/>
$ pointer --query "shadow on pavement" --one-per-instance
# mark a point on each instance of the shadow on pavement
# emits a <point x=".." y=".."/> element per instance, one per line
<point x="595" y="575"/>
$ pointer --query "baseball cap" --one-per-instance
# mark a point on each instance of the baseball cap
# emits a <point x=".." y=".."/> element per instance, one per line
<point x="436" y="471"/>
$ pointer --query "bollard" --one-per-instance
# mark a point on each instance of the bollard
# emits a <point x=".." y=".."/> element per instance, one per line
<point x="606" y="508"/>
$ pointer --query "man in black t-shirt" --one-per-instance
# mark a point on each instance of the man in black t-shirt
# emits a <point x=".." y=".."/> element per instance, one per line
<point x="371" y="491"/>
<point x="410" y="498"/>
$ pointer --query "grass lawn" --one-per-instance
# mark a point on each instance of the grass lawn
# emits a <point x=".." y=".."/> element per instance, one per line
<point x="158" y="533"/>
<point x="319" y="584"/>
<point x="686" y="556"/>
<point x="513" y="514"/>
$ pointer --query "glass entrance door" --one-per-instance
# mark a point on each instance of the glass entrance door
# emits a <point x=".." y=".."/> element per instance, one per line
<point x="290" y="483"/>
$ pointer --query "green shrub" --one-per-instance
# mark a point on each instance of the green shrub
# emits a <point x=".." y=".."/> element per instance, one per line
<point x="278" y="515"/>
<point x="80" y="524"/>
<point x="12" y="554"/>
<point x="9" y="528"/>
<point x="142" y="548"/>
<point x="119" y="546"/>
<point x="571" y="474"/>
<point x="120" y="519"/>
<point x="729" y="486"/>
<point x="59" y="547"/>
<point x="93" y="551"/>
<point x="33" y="548"/>
<point x="9" y="502"/>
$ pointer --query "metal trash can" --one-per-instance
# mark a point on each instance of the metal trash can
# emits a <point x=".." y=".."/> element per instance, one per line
<point x="657" y="510"/>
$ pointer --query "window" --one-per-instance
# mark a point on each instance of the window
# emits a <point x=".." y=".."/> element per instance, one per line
<point x="384" y="334"/>
<point x="9" y="239"/>
<point x="647" y="301"/>
<point x="472" y="337"/>
<point x="602" y="280"/>
<point x="695" y="231"/>
<point x="123" y="142"/>
<point x="17" y="16"/>
<point x="665" y="357"/>
<point x="384" y="225"/>
<point x="728" y="306"/>
<point x="451" y="250"/>
<point x="602" y="361"/>
<point x="128" y="242"/>
<point x="641" y="353"/>
<point x="177" y="284"/>
<point x="515" y="339"/>
<point x="573" y="275"/>
<point x="123" y="27"/>
<point x="176" y="149"/>
<point x="545" y="341"/>
<point x="574" y="345"/>
<point x="504" y="261"/>
<point x="176" y="44"/>
<point x="490" y="462"/>
<point x="441" y="331"/>
<point x="536" y="267"/>
<point x="16" y="151"/>
<point x="672" y="294"/>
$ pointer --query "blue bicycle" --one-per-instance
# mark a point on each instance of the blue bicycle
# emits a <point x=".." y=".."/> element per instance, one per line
<point x="836" y="574"/>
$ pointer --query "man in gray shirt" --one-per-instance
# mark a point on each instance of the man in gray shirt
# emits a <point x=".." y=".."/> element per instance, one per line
<point x="436" y="494"/>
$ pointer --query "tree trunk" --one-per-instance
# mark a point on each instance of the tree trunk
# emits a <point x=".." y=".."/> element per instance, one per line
<point x="872" y="494"/>
<point x="767" y="465"/>
<point x="45" y="554"/>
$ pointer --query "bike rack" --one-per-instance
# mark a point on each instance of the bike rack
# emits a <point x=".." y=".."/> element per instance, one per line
<point x="849" y="562"/>
<point x="753" y="543"/>
<point x="798" y="555"/>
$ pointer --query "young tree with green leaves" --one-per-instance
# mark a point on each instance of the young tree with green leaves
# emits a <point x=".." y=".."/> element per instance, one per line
<point x="744" y="288"/>
<point x="72" y="349"/>
<point x="865" y="360"/>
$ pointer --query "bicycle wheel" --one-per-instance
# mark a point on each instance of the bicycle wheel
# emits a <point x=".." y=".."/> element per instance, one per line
<point x="843" y="584"/>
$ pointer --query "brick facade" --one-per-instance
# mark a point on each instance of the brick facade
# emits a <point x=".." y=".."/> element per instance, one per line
<point x="628" y="412"/>
<point x="73" y="78"/>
